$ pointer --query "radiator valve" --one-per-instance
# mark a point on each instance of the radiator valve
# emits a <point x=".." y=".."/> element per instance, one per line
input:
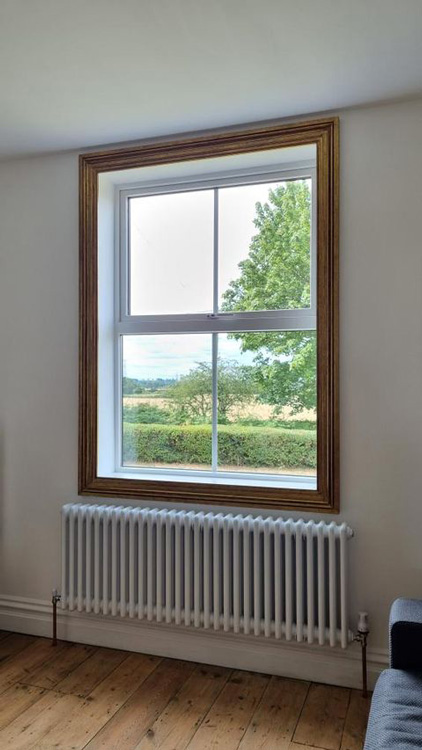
<point x="363" y="625"/>
<point x="362" y="638"/>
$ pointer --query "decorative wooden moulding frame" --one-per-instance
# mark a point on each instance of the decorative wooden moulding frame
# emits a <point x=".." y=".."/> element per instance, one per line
<point x="324" y="134"/>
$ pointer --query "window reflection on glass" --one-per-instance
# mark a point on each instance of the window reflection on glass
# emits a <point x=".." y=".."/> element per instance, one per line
<point x="171" y="253"/>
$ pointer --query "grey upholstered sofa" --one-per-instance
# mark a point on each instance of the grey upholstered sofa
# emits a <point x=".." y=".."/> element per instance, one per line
<point x="395" y="720"/>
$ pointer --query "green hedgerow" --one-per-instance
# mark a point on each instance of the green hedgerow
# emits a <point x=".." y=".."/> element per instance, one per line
<point x="237" y="445"/>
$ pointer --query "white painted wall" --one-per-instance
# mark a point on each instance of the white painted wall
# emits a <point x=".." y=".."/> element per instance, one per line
<point x="381" y="360"/>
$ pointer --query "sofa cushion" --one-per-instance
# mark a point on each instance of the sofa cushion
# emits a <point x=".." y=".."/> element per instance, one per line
<point x="406" y="634"/>
<point x="395" y="720"/>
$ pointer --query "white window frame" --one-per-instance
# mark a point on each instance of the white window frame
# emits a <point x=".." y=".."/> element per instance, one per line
<point x="212" y="323"/>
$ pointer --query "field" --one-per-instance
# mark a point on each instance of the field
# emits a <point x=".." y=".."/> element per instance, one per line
<point x="253" y="410"/>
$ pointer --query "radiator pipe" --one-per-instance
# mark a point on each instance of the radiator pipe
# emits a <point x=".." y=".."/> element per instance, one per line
<point x="362" y="638"/>
<point x="56" y="597"/>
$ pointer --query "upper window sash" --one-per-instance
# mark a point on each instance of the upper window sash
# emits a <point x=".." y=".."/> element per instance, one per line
<point x="215" y="321"/>
<point x="283" y="320"/>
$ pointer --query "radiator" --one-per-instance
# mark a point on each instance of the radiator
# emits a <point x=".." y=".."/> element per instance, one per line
<point x="269" y="577"/>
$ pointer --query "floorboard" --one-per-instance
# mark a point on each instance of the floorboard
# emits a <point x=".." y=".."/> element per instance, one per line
<point x="229" y="717"/>
<point x="323" y="717"/>
<point x="85" y="678"/>
<point x="64" y="661"/>
<point x="276" y="717"/>
<point x="143" y="708"/>
<point x="13" y="644"/>
<point x="86" y="720"/>
<point x="76" y="697"/>
<point x="49" y="712"/>
<point x="356" y="721"/>
<point x="16" y="700"/>
<point x="177" y="724"/>
<point x="22" y="665"/>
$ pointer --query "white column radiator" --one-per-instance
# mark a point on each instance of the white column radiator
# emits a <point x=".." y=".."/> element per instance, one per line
<point x="263" y="576"/>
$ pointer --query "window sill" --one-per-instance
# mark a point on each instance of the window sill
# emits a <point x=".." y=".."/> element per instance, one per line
<point x="284" y="481"/>
<point x="289" y="493"/>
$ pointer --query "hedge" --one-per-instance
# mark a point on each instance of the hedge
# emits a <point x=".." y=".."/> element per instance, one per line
<point x="237" y="445"/>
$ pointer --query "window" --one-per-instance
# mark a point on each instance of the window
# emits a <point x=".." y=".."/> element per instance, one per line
<point x="208" y="369"/>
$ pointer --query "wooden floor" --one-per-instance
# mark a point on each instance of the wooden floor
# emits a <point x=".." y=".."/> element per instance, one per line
<point x="74" y="696"/>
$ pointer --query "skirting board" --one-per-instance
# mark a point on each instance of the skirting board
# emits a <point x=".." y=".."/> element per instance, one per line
<point x="333" y="666"/>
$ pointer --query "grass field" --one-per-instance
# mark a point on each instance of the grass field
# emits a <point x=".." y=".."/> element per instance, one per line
<point x="252" y="410"/>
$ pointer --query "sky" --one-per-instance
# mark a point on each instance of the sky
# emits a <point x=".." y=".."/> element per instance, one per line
<point x="171" y="260"/>
<point x="171" y="246"/>
<point x="172" y="356"/>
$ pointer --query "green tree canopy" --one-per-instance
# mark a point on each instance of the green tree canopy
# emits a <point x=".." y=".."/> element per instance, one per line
<point x="192" y="395"/>
<point x="131" y="386"/>
<point x="276" y="275"/>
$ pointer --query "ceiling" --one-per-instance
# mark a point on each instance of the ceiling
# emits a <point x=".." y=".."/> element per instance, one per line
<point x="77" y="73"/>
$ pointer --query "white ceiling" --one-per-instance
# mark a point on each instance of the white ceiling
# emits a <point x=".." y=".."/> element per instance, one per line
<point x="77" y="73"/>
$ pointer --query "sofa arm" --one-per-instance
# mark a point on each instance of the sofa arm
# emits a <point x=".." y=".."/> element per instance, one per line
<point x="406" y="634"/>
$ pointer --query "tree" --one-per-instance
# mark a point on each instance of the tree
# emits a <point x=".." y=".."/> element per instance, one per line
<point x="276" y="275"/>
<point x="131" y="386"/>
<point x="192" y="395"/>
<point x="235" y="387"/>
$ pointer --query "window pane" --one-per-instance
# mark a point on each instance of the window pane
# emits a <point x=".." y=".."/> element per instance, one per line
<point x="267" y="402"/>
<point x="171" y="253"/>
<point x="265" y="246"/>
<point x="166" y="401"/>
